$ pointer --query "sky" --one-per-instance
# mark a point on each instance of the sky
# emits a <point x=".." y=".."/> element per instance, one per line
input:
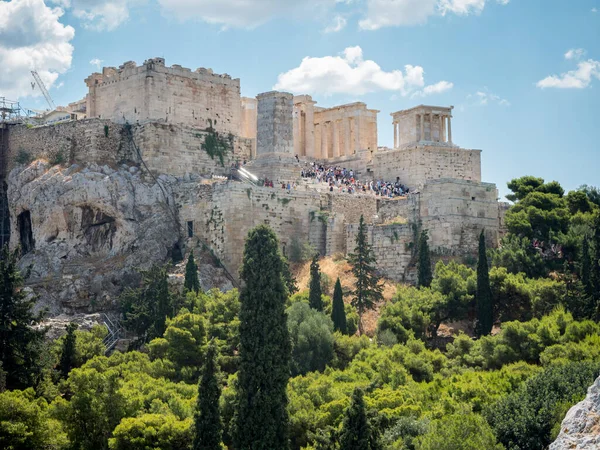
<point x="523" y="75"/>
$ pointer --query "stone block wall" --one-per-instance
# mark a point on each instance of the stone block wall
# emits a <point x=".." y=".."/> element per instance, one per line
<point x="391" y="247"/>
<point x="275" y="126"/>
<point x="174" y="94"/>
<point x="416" y="166"/>
<point x="86" y="141"/>
<point x="455" y="211"/>
<point x="177" y="150"/>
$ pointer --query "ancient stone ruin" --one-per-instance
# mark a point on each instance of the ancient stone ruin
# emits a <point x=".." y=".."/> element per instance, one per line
<point x="152" y="171"/>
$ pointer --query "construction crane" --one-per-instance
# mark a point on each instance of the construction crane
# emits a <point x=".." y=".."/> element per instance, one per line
<point x="40" y="83"/>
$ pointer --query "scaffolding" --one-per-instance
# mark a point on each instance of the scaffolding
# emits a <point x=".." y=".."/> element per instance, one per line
<point x="11" y="112"/>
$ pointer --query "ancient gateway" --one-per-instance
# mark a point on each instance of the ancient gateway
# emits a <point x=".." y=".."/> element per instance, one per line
<point x="148" y="174"/>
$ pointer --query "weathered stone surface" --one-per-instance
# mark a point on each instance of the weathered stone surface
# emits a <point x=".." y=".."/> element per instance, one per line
<point x="90" y="229"/>
<point x="580" y="430"/>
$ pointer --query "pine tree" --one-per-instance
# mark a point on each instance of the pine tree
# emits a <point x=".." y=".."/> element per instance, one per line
<point x="20" y="342"/>
<point x="288" y="277"/>
<point x="595" y="266"/>
<point x="356" y="431"/>
<point x="338" y="314"/>
<point x="425" y="275"/>
<point x="208" y="427"/>
<point x="585" y="267"/>
<point x="67" y="355"/>
<point x="368" y="289"/>
<point x="314" y="296"/>
<point x="192" y="282"/>
<point x="261" y="418"/>
<point x="485" y="312"/>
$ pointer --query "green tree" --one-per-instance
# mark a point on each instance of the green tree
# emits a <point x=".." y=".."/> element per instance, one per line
<point x="314" y="296"/>
<point x="595" y="267"/>
<point x="25" y="423"/>
<point x="146" y="308"/>
<point x="288" y="277"/>
<point x="338" y="314"/>
<point x="152" y="431"/>
<point x="356" y="431"/>
<point x="208" y="427"/>
<point x="192" y="282"/>
<point x="585" y="268"/>
<point x="311" y="334"/>
<point x="368" y="288"/>
<point x="518" y="255"/>
<point x="425" y="276"/>
<point x="67" y="355"/>
<point x="485" y="308"/>
<point x="20" y="342"/>
<point x="458" y="432"/>
<point x="261" y="421"/>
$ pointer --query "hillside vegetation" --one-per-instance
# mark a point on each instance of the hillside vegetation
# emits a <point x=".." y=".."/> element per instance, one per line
<point x="290" y="369"/>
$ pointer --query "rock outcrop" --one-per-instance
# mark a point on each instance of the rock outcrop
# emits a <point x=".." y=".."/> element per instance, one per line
<point x="580" y="430"/>
<point x="85" y="230"/>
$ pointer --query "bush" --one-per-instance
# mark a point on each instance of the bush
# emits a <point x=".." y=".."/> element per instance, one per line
<point x="23" y="157"/>
<point x="458" y="432"/>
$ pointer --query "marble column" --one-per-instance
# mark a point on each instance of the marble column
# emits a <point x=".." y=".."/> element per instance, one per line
<point x="357" y="135"/>
<point x="336" y="139"/>
<point x="395" y="135"/>
<point x="422" y="127"/>
<point x="309" y="130"/>
<point x="443" y="128"/>
<point x="440" y="133"/>
<point x="450" y="129"/>
<point x="325" y="140"/>
<point x="347" y="125"/>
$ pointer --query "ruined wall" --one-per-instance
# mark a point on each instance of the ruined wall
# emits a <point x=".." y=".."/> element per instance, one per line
<point x="4" y="212"/>
<point x="455" y="211"/>
<point x="91" y="141"/>
<point x="177" y="150"/>
<point x="174" y="94"/>
<point x="391" y="246"/>
<point x="415" y="166"/>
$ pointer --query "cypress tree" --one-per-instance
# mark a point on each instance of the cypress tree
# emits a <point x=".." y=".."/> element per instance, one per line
<point x="585" y="267"/>
<point x="67" y="355"/>
<point x="314" y="296"/>
<point x="20" y="343"/>
<point x="207" y="426"/>
<point x="338" y="314"/>
<point x="288" y="277"/>
<point x="192" y="282"/>
<point x="368" y="289"/>
<point x="261" y="418"/>
<point x="485" y="313"/>
<point x="356" y="432"/>
<point x="425" y="275"/>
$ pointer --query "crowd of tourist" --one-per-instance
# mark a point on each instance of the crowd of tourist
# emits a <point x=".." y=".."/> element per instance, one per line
<point x="343" y="180"/>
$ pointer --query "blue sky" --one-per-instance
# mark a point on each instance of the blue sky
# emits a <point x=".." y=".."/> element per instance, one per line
<point x="523" y="75"/>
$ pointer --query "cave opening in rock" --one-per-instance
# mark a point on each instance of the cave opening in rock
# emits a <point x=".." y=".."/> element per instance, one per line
<point x="25" y="232"/>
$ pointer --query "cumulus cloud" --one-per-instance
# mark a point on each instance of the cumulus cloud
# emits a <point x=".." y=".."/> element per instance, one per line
<point x="97" y="63"/>
<point x="32" y="38"/>
<point x="385" y="13"/>
<point x="338" y="24"/>
<point x="437" y="88"/>
<point x="575" y="53"/>
<point x="485" y="97"/>
<point x="579" y="78"/>
<point x="350" y="73"/>
<point x="100" y="15"/>
<point x="240" y="13"/>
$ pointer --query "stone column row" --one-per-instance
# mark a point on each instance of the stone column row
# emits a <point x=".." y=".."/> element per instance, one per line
<point x="443" y="119"/>
<point x="336" y="137"/>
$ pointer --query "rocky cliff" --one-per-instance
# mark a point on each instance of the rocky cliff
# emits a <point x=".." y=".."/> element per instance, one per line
<point x="85" y="230"/>
<point x="580" y="430"/>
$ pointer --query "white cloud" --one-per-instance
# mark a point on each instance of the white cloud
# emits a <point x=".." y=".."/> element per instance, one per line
<point x="385" y="13"/>
<point x="241" y="13"/>
<point x="485" y="97"/>
<point x="579" y="78"/>
<point x="97" y="63"/>
<point x="350" y="73"/>
<point x="437" y="88"/>
<point x="338" y="24"/>
<point x="575" y="53"/>
<point x="32" y="37"/>
<point x="100" y="15"/>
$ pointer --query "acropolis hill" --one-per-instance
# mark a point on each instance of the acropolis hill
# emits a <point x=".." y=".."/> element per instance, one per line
<point x="147" y="176"/>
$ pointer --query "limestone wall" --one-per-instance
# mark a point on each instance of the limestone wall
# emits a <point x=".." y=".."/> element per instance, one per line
<point x="177" y="150"/>
<point x="391" y="247"/>
<point x="455" y="211"/>
<point x="174" y="94"/>
<point x="415" y="166"/>
<point x="87" y="141"/>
